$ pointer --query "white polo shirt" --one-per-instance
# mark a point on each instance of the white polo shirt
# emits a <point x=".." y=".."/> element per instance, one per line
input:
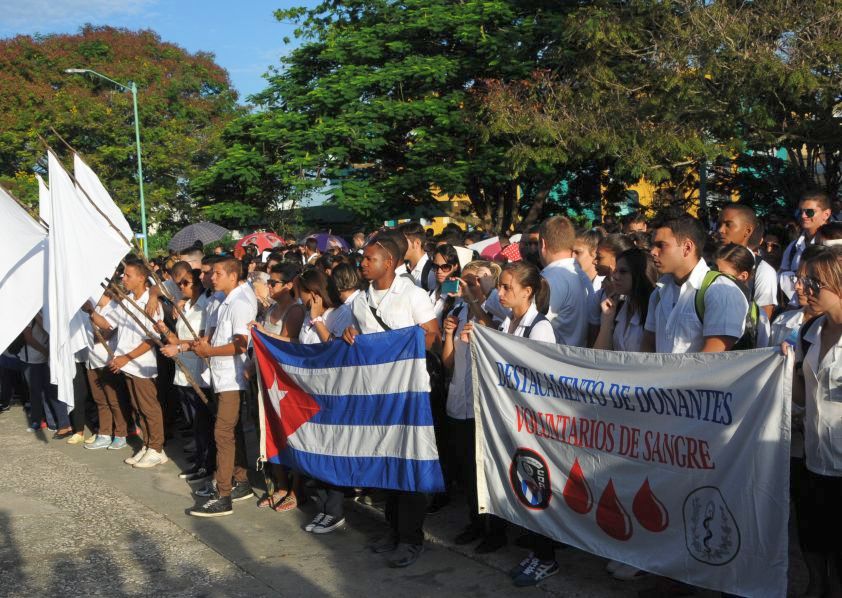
<point x="628" y="330"/>
<point x="31" y="355"/>
<point x="232" y="319"/>
<point x="570" y="297"/>
<point x="130" y="335"/>
<point x="790" y="262"/>
<point x="402" y="304"/>
<point x="337" y="319"/>
<point x="785" y="326"/>
<point x="418" y="270"/>
<point x="196" y="316"/>
<point x="541" y="331"/>
<point x="822" y="402"/>
<point x="672" y="312"/>
<point x="97" y="354"/>
<point x="765" y="284"/>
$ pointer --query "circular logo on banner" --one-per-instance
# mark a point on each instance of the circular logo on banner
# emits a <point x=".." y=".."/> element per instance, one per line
<point x="530" y="478"/>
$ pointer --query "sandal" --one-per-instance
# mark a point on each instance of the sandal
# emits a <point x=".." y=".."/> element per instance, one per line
<point x="288" y="503"/>
<point x="267" y="500"/>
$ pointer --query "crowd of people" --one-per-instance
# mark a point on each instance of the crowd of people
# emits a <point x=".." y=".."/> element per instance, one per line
<point x="169" y="346"/>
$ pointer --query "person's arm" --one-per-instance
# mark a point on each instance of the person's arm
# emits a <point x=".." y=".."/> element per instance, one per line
<point x="605" y="338"/>
<point x="33" y="342"/>
<point x="448" y="352"/>
<point x="432" y="335"/>
<point x="718" y="344"/>
<point x="120" y="361"/>
<point x="238" y="346"/>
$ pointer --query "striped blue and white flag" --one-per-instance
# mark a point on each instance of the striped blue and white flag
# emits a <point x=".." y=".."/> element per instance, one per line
<point x="350" y="415"/>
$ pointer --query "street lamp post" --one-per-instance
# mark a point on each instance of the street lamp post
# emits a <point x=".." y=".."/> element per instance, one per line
<point x="133" y="89"/>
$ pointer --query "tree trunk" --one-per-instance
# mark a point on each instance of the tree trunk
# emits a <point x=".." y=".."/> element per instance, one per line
<point x="538" y="201"/>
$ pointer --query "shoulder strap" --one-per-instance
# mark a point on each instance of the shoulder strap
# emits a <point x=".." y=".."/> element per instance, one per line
<point x="710" y="276"/>
<point x="379" y="319"/>
<point x="425" y="274"/>
<point x="805" y="344"/>
<point x="528" y="330"/>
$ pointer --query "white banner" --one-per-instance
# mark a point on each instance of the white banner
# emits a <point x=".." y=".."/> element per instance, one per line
<point x="674" y="464"/>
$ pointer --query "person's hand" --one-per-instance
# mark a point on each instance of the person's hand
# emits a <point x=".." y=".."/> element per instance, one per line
<point x="786" y="347"/>
<point x="465" y="337"/>
<point x="257" y="326"/>
<point x="118" y="363"/>
<point x="451" y="323"/>
<point x="317" y="307"/>
<point x="152" y="306"/>
<point x="349" y="334"/>
<point x="201" y="348"/>
<point x="609" y="310"/>
<point x="161" y="327"/>
<point x="170" y="350"/>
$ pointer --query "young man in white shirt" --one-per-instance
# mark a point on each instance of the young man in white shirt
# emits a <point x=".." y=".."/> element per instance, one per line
<point x="814" y="212"/>
<point x="570" y="290"/>
<point x="135" y="358"/>
<point x="419" y="264"/>
<point x="738" y="224"/>
<point x="672" y="325"/>
<point x="393" y="302"/>
<point x="227" y="353"/>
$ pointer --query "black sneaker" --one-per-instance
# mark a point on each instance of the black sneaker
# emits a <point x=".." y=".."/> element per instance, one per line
<point x="4" y="408"/>
<point x="200" y="474"/>
<point x="188" y="472"/>
<point x="218" y="506"/>
<point x="241" y="491"/>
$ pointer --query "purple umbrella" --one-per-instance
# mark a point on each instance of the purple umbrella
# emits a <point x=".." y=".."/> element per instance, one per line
<point x="326" y="240"/>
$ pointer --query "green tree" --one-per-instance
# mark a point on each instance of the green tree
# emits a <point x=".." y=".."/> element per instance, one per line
<point x="184" y="100"/>
<point x="383" y="100"/>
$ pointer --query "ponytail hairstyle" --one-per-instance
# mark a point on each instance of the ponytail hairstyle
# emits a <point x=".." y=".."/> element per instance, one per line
<point x="528" y="275"/>
<point x="741" y="258"/>
<point x="644" y="276"/>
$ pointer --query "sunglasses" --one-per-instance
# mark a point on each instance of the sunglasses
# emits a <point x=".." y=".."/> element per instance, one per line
<point x="274" y="283"/>
<point x="809" y="212"/>
<point x="185" y="283"/>
<point x="442" y="267"/>
<point x="809" y="284"/>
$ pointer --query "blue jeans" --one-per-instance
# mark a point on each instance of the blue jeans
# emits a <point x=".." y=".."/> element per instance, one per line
<point x="43" y="397"/>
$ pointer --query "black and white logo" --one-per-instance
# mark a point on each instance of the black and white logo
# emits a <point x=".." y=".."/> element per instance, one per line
<point x="530" y="478"/>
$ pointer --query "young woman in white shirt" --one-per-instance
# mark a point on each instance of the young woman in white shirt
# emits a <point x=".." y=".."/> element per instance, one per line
<point x="624" y="312"/>
<point x="818" y="386"/>
<point x="739" y="263"/>
<point x="446" y="267"/>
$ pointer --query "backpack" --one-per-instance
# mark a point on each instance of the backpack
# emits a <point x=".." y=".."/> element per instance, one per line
<point x="425" y="275"/>
<point x="528" y="330"/>
<point x="749" y="338"/>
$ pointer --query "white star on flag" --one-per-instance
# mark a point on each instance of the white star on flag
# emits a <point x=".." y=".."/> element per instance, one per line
<point x="276" y="395"/>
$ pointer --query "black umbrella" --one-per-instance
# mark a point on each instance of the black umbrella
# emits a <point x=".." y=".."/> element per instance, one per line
<point x="206" y="232"/>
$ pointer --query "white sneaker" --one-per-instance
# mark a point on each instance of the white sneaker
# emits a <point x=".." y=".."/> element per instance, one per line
<point x="628" y="573"/>
<point x="136" y="457"/>
<point x="151" y="458"/>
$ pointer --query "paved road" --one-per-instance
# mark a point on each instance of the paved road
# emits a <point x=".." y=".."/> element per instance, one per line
<point x="75" y="522"/>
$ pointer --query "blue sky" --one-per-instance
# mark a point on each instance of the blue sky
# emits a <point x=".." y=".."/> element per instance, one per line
<point x="244" y="36"/>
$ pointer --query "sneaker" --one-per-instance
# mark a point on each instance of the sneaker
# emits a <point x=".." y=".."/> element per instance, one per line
<point x="4" y="408"/>
<point x="100" y="442"/>
<point x="628" y="573"/>
<point x="118" y="443"/>
<point x="77" y="438"/>
<point x="521" y="565"/>
<point x="612" y="566"/>
<point x="316" y="521"/>
<point x="386" y="543"/>
<point x="241" y="491"/>
<point x="136" y="457"/>
<point x="188" y="472"/>
<point x="151" y="458"/>
<point x="33" y="427"/>
<point x="201" y="474"/>
<point x="208" y="490"/>
<point x="91" y="439"/>
<point x="405" y="555"/>
<point x="217" y="506"/>
<point x="328" y="524"/>
<point x="536" y="572"/>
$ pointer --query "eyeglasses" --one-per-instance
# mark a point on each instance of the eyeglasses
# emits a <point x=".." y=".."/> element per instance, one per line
<point x="185" y="283"/>
<point x="442" y="267"/>
<point x="809" y="212"/>
<point x="809" y="284"/>
<point x="274" y="283"/>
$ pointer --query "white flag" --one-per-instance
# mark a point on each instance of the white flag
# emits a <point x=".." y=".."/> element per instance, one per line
<point x="83" y="251"/>
<point x="90" y="182"/>
<point x="43" y="200"/>
<point x="22" y="252"/>
<point x="674" y="464"/>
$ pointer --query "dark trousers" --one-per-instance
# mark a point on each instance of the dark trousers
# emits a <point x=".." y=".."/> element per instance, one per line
<point x="405" y="512"/>
<point x="43" y="397"/>
<point x="230" y="444"/>
<point x="462" y="448"/>
<point x="331" y="498"/>
<point x="81" y="406"/>
<point x="9" y="369"/>
<point x="199" y="417"/>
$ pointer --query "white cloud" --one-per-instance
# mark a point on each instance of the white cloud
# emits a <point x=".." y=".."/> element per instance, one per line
<point x="29" y="16"/>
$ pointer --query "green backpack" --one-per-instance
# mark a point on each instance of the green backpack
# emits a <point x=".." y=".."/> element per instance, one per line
<point x="749" y="338"/>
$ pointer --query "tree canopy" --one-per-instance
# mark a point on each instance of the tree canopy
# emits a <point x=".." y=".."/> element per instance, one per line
<point x="184" y="101"/>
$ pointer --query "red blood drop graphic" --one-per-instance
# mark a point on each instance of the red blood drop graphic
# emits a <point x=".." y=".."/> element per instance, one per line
<point x="577" y="494"/>
<point x="649" y="510"/>
<point x="611" y="516"/>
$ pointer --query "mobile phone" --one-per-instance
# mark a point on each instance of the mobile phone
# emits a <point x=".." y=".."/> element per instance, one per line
<point x="449" y="286"/>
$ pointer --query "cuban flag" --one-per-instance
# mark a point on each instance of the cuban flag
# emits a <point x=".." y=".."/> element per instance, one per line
<point x="350" y="415"/>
